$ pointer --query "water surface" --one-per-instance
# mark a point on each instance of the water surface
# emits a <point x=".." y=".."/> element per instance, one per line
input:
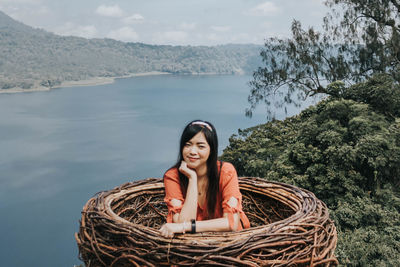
<point x="58" y="148"/>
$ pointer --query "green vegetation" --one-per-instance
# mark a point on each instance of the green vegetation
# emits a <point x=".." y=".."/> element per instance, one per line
<point x="360" y="38"/>
<point x="345" y="149"/>
<point x="32" y="57"/>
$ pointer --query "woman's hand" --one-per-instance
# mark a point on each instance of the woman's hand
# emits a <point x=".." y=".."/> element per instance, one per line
<point x="189" y="173"/>
<point x="169" y="229"/>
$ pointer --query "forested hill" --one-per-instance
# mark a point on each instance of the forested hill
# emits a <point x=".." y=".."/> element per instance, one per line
<point x="30" y="57"/>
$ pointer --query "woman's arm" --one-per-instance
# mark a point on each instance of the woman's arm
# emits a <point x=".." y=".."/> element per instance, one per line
<point x="214" y="225"/>
<point x="217" y="225"/>
<point x="189" y="208"/>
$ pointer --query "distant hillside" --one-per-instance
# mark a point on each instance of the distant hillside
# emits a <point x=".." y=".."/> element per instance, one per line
<point x="30" y="57"/>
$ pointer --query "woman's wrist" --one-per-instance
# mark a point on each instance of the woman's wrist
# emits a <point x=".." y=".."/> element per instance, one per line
<point x="193" y="177"/>
<point x="186" y="227"/>
<point x="192" y="182"/>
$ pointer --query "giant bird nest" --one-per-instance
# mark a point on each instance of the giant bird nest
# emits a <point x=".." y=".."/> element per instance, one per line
<point x="289" y="226"/>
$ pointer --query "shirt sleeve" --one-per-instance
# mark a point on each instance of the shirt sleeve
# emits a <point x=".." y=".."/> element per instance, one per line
<point x="230" y="188"/>
<point x="172" y="191"/>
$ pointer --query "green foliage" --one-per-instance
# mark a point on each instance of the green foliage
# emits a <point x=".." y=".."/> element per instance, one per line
<point x="369" y="230"/>
<point x="381" y="92"/>
<point x="254" y="150"/>
<point x="346" y="151"/>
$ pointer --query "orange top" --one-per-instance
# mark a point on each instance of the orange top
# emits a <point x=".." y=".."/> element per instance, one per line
<point x="228" y="187"/>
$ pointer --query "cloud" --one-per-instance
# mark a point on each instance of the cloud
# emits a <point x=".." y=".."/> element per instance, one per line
<point x="42" y="10"/>
<point x="212" y="37"/>
<point x="241" y="38"/>
<point x="135" y="18"/>
<point x="264" y="9"/>
<point x="317" y="2"/>
<point x="110" y="11"/>
<point x="267" y="25"/>
<point x="70" y="29"/>
<point x="187" y="26"/>
<point x="171" y="37"/>
<point x="26" y="13"/>
<point x="30" y="11"/>
<point x="126" y="34"/>
<point x="21" y="1"/>
<point x="221" y="28"/>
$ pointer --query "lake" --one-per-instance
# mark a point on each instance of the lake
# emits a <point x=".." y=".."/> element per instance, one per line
<point x="58" y="148"/>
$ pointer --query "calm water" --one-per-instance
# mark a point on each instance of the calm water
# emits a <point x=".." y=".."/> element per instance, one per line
<point x="58" y="148"/>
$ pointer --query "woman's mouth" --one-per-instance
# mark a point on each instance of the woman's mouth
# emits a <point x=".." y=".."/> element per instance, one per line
<point x="192" y="159"/>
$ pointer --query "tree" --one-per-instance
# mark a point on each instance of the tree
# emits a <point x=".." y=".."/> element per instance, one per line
<point x="361" y="38"/>
<point x="373" y="23"/>
<point x="304" y="65"/>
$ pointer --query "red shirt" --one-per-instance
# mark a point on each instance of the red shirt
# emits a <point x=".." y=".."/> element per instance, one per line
<point x="228" y="187"/>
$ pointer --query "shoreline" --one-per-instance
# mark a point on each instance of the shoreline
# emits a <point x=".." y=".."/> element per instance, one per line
<point x="89" y="82"/>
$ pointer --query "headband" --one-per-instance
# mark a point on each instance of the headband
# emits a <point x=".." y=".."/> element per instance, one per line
<point x="203" y="124"/>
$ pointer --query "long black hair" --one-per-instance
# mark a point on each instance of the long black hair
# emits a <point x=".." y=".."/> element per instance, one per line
<point x="210" y="134"/>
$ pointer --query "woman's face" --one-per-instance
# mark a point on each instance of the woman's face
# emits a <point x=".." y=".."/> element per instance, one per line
<point x="196" y="152"/>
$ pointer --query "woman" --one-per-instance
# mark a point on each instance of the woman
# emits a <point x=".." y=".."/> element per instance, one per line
<point x="202" y="193"/>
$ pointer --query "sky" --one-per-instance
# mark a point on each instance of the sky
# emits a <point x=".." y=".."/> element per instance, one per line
<point x="172" y="22"/>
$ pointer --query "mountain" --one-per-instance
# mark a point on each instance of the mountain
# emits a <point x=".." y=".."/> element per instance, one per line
<point x="30" y="57"/>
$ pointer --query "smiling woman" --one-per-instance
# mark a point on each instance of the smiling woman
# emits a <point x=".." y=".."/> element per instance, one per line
<point x="202" y="194"/>
<point x="196" y="152"/>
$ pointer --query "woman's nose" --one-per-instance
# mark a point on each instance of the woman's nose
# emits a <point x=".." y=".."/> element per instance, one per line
<point x="193" y="150"/>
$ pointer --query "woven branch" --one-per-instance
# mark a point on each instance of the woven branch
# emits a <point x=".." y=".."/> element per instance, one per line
<point x="289" y="226"/>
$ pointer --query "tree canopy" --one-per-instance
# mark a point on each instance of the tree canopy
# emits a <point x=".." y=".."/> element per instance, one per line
<point x="360" y="39"/>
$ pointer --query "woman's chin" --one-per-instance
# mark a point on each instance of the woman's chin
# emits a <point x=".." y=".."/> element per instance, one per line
<point x="192" y="165"/>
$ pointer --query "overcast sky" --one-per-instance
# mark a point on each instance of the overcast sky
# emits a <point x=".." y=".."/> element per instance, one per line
<point x="175" y="22"/>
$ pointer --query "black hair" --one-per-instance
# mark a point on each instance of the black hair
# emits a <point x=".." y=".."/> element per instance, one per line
<point x="193" y="128"/>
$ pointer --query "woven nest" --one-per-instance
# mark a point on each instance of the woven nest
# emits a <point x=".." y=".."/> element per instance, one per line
<point x="289" y="226"/>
